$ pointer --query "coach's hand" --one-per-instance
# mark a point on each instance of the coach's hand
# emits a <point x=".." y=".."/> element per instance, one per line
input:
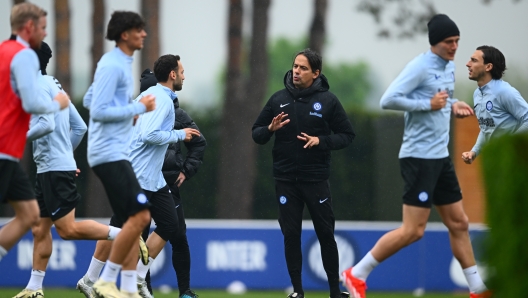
<point x="63" y="99"/>
<point x="189" y="133"/>
<point x="277" y="122"/>
<point x="439" y="100"/>
<point x="469" y="157"/>
<point x="180" y="179"/>
<point x="149" y="101"/>
<point x="310" y="141"/>
<point x="77" y="172"/>
<point x="462" y="110"/>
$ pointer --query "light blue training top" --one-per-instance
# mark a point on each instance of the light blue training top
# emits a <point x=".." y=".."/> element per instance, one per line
<point x="55" y="135"/>
<point x="500" y="109"/>
<point x="152" y="135"/>
<point x="426" y="132"/>
<point x="24" y="68"/>
<point x="110" y="101"/>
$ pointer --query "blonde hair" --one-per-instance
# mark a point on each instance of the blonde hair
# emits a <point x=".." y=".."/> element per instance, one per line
<point x="23" y="12"/>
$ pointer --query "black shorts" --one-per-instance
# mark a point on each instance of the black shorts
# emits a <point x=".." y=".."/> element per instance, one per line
<point x="56" y="193"/>
<point x="14" y="183"/>
<point x="163" y="210"/>
<point x="122" y="188"/>
<point x="429" y="181"/>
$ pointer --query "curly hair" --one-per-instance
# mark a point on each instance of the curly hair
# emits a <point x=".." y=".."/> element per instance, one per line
<point x="494" y="56"/>
<point x="122" y="21"/>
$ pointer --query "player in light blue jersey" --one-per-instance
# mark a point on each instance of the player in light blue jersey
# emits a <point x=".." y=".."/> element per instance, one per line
<point x="54" y="138"/>
<point x="499" y="107"/>
<point x="424" y="90"/>
<point x="152" y="135"/>
<point x="112" y="111"/>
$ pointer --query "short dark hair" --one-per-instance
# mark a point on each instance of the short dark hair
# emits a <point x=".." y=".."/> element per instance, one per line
<point x="122" y="21"/>
<point x="494" y="56"/>
<point x="314" y="59"/>
<point x="164" y="65"/>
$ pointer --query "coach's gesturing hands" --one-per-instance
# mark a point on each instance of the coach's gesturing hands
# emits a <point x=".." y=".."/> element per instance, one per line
<point x="310" y="141"/>
<point x="278" y="122"/>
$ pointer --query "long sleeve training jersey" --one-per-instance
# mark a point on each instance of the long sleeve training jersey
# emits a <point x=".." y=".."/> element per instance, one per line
<point x="500" y="109"/>
<point x="110" y="100"/>
<point x="426" y="132"/>
<point x="152" y="135"/>
<point x="55" y="135"/>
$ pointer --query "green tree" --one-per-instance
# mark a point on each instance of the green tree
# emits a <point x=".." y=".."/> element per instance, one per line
<point x="505" y="165"/>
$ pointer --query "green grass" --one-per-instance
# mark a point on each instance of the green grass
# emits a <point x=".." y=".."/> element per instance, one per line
<point x="67" y="293"/>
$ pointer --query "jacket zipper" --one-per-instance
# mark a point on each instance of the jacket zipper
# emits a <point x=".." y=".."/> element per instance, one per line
<point x="298" y="132"/>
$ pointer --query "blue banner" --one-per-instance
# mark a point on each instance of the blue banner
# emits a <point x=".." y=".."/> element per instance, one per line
<point x="252" y="252"/>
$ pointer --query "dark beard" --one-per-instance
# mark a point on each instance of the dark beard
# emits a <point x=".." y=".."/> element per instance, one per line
<point x="177" y="87"/>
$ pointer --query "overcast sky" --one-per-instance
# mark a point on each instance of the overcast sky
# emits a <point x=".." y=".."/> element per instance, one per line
<point x="196" y="30"/>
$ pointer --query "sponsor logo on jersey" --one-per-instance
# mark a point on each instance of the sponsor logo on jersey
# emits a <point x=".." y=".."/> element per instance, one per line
<point x="489" y="105"/>
<point x="488" y="122"/>
<point x="450" y="92"/>
<point x="142" y="198"/>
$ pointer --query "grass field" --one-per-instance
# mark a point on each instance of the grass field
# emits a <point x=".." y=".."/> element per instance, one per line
<point x="66" y="293"/>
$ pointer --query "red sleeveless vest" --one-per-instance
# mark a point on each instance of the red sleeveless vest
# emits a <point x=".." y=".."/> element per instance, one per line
<point x="14" y="121"/>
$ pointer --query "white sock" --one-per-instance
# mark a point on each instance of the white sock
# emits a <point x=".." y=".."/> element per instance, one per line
<point x="35" y="282"/>
<point x="129" y="281"/>
<point x="475" y="283"/>
<point x="143" y="269"/>
<point x="3" y="252"/>
<point x="110" y="272"/>
<point x="364" y="267"/>
<point x="94" y="269"/>
<point x="112" y="232"/>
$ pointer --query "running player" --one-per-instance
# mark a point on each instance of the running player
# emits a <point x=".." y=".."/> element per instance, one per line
<point x="19" y="68"/>
<point x="54" y="137"/>
<point x="499" y="107"/>
<point x="112" y="113"/>
<point x="153" y="133"/>
<point x="424" y="90"/>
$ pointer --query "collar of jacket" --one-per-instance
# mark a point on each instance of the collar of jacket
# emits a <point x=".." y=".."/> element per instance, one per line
<point x="320" y="84"/>
<point x="169" y="92"/>
<point x="176" y="102"/>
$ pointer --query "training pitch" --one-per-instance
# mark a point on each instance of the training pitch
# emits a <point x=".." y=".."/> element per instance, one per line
<point x="68" y="293"/>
